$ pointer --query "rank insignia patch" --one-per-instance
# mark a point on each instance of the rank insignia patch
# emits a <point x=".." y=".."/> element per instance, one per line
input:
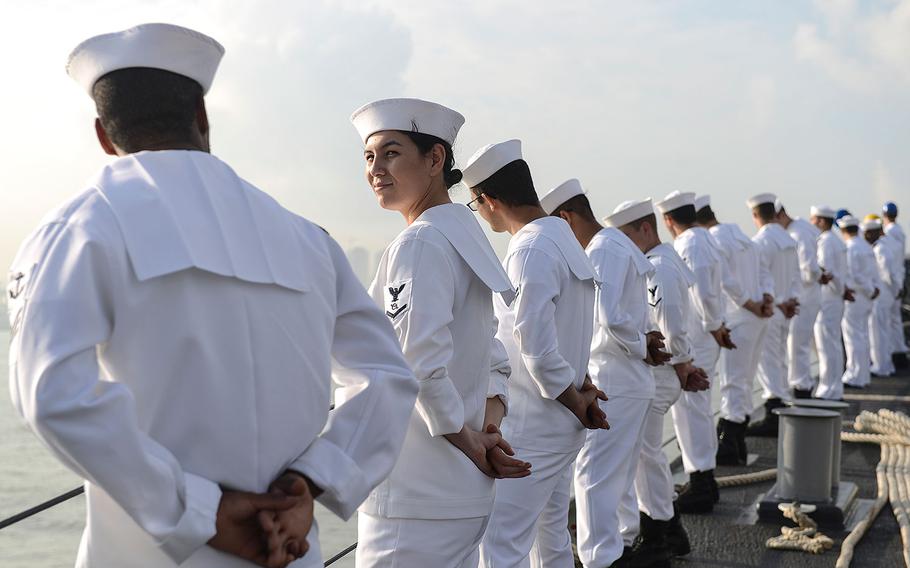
<point x="397" y="298"/>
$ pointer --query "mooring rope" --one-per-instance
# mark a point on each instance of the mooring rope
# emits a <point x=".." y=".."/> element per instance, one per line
<point x="806" y="537"/>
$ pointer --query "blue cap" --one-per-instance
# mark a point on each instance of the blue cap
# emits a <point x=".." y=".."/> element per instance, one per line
<point x="841" y="213"/>
<point x="890" y="209"/>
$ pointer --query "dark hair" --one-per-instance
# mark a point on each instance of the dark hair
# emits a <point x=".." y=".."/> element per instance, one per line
<point x="511" y="184"/>
<point x="766" y="212"/>
<point x="829" y="221"/>
<point x="649" y="218"/>
<point x="705" y="215"/>
<point x="425" y="143"/>
<point x="578" y="205"/>
<point x="139" y="105"/>
<point x="852" y="230"/>
<point x="684" y="215"/>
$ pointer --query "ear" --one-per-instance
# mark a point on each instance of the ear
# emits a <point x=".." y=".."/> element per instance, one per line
<point x="566" y="216"/>
<point x="438" y="157"/>
<point x="103" y="139"/>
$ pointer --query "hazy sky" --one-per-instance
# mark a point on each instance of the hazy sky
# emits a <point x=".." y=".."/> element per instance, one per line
<point x="810" y="100"/>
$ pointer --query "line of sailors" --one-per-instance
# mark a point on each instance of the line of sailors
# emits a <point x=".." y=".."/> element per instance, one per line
<point x="132" y="302"/>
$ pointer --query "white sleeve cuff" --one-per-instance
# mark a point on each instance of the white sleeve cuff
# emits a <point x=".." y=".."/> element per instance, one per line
<point x="343" y="485"/>
<point x="197" y="525"/>
<point x="440" y="406"/>
<point x="499" y="386"/>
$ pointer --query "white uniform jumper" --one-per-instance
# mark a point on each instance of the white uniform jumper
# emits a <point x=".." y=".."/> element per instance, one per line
<point x="799" y="342"/>
<point x="174" y="330"/>
<point x="739" y="366"/>
<point x="894" y="231"/>
<point x="832" y="256"/>
<point x="862" y="268"/>
<point x="692" y="414"/>
<point x="668" y="298"/>
<point x="779" y="257"/>
<point x="547" y="332"/>
<point x="606" y="465"/>
<point x="434" y="283"/>
<point x="880" y="343"/>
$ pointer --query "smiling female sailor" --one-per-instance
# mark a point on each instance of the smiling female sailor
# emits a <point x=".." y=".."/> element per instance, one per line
<point x="434" y="282"/>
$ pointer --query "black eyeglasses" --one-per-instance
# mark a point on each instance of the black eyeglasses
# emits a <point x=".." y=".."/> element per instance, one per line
<point x="472" y="204"/>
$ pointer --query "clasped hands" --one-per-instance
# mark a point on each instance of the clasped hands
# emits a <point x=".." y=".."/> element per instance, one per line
<point x="789" y="308"/>
<point x="490" y="452"/>
<point x="583" y="402"/>
<point x="656" y="354"/>
<point x="721" y="335"/>
<point x="691" y="378"/>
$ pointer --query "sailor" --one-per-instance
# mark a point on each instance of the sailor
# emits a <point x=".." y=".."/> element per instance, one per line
<point x="547" y="332"/>
<point x="748" y="310"/>
<point x="832" y="260"/>
<point x="692" y="414"/>
<point x="880" y="344"/>
<point x="862" y="269"/>
<point x="778" y="255"/>
<point x="435" y="283"/>
<point x="174" y="334"/>
<point x="800" y="337"/>
<point x="661" y="533"/>
<point x="624" y="345"/>
<point x="894" y="231"/>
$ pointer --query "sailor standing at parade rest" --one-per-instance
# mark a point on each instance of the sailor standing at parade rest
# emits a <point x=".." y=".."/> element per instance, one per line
<point x="692" y="414"/>
<point x="748" y="310"/>
<point x="832" y="260"/>
<point x="894" y="231"/>
<point x="175" y="330"/>
<point x="801" y="337"/>
<point x="862" y="268"/>
<point x="661" y="533"/>
<point x="778" y="256"/>
<point x="624" y="346"/>
<point x="880" y="345"/>
<point x="547" y="332"/>
<point x="435" y="282"/>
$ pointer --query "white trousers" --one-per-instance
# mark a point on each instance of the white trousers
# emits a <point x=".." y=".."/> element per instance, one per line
<point x="855" y="327"/>
<point x="530" y="521"/>
<point x="800" y="339"/>
<point x="881" y="344"/>
<point x="692" y="415"/>
<point x="829" y="339"/>
<point x="403" y="543"/>
<point x="604" y="473"/>
<point x="897" y="328"/>
<point x="772" y="365"/>
<point x="739" y="366"/>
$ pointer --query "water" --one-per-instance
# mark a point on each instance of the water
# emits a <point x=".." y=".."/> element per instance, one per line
<point x="30" y="475"/>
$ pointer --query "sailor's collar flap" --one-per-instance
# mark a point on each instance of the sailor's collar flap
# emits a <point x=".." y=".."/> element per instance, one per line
<point x="459" y="226"/>
<point x="558" y="231"/>
<point x="642" y="265"/>
<point x="669" y="254"/>
<point x="778" y="236"/>
<point x="182" y="209"/>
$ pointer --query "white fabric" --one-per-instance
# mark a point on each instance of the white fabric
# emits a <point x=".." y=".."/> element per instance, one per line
<point x="675" y="200"/>
<point x="778" y="205"/>
<point x="871" y="225"/>
<point x="801" y="338"/>
<point x="490" y="159"/>
<point x="738" y="367"/>
<point x="442" y="312"/>
<point x="896" y="233"/>
<point x="409" y="115"/>
<point x="847" y="221"/>
<point x="560" y="194"/>
<point x="759" y="199"/>
<point x="604" y="472"/>
<point x="862" y="269"/>
<point x="629" y="211"/>
<point x="822" y="211"/>
<point x="158" y="46"/>
<point x="447" y="543"/>
<point x="700" y="253"/>
<point x="702" y="201"/>
<point x="205" y="379"/>
<point x="881" y="345"/>
<point x="832" y="256"/>
<point x="547" y="333"/>
<point x="653" y="479"/>
<point x="529" y="524"/>
<point x="621" y="321"/>
<point x="668" y="297"/>
<point x="743" y="278"/>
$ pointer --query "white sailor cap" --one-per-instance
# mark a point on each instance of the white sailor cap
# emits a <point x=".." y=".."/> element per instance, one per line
<point x="489" y="160"/>
<point x="702" y="201"/>
<point x="822" y="211"/>
<point x="409" y="115"/>
<point x="629" y="211"/>
<point x="778" y="205"/>
<point x="560" y="194"/>
<point x="759" y="199"/>
<point x="847" y="221"/>
<point x="675" y="200"/>
<point x="159" y="46"/>
<point x="871" y="225"/>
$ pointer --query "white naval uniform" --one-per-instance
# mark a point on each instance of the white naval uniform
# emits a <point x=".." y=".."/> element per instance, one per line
<point x="832" y="256"/>
<point x="434" y="283"/>
<point x="692" y="414"/>
<point x="668" y="297"/>
<point x="801" y="338"/>
<point x="880" y="343"/>
<point x="606" y="465"/>
<point x="547" y="332"/>
<point x="896" y="232"/>
<point x="739" y="366"/>
<point x="174" y="330"/>
<point x="855" y="326"/>
<point x="779" y="257"/>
